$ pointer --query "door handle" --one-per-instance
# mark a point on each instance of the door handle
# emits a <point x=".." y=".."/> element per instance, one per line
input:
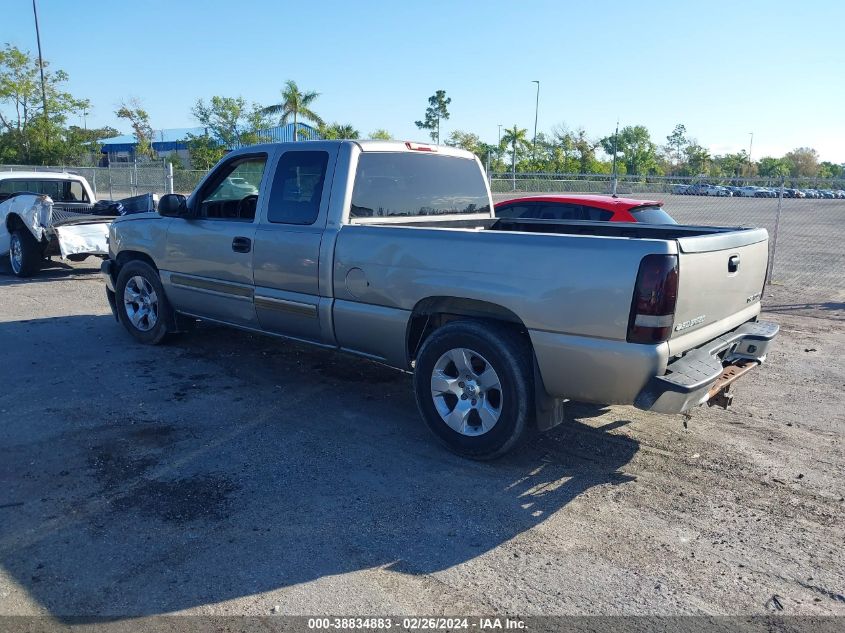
<point x="733" y="264"/>
<point x="241" y="244"/>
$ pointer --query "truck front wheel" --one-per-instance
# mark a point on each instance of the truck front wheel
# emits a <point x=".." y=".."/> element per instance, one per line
<point x="24" y="253"/>
<point x="141" y="305"/>
<point x="472" y="382"/>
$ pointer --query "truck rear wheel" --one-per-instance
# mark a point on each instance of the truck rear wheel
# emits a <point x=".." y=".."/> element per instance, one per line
<point x="24" y="253"/>
<point x="141" y="305"/>
<point x="473" y="384"/>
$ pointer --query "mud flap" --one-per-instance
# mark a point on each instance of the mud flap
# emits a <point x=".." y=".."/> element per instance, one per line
<point x="548" y="411"/>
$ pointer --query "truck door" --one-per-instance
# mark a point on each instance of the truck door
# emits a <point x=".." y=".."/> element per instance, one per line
<point x="287" y="244"/>
<point x="208" y="263"/>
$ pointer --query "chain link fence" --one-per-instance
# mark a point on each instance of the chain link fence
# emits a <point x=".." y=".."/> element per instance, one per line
<point x="805" y="219"/>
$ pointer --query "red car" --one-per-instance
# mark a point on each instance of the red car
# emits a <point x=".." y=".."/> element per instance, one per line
<point x="585" y="207"/>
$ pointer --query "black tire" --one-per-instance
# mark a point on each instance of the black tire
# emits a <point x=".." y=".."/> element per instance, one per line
<point x="80" y="257"/>
<point x="149" y="331"/>
<point x="510" y="357"/>
<point x="26" y="261"/>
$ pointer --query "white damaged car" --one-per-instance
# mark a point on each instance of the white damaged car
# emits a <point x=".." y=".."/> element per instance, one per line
<point x="51" y="213"/>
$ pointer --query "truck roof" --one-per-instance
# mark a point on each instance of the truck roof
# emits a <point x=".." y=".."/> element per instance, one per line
<point x="39" y="175"/>
<point x="365" y="146"/>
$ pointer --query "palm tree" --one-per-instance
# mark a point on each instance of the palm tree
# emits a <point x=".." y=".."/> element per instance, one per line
<point x="338" y="131"/>
<point x="517" y="138"/>
<point x="295" y="105"/>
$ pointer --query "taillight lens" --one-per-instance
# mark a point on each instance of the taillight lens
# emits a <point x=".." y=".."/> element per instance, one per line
<point x="655" y="294"/>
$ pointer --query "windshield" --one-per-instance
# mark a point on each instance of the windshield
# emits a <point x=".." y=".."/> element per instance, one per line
<point x="652" y="215"/>
<point x="409" y="184"/>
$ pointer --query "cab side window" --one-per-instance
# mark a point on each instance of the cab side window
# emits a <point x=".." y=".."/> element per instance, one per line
<point x="233" y="193"/>
<point x="298" y="188"/>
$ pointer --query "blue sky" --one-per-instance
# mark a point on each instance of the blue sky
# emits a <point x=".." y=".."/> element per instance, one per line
<point x="724" y="69"/>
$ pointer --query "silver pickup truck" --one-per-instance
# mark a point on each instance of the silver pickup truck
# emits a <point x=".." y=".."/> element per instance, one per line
<point x="391" y="251"/>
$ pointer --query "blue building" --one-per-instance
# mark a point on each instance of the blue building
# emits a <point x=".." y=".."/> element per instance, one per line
<point x="121" y="149"/>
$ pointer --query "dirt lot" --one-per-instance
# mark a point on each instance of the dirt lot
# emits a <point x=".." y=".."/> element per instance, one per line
<point x="230" y="474"/>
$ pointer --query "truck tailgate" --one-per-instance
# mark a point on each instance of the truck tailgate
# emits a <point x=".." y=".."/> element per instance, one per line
<point x="720" y="283"/>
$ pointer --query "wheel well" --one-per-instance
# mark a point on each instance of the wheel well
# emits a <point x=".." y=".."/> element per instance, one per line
<point x="14" y="222"/>
<point x="434" y="312"/>
<point x="124" y="257"/>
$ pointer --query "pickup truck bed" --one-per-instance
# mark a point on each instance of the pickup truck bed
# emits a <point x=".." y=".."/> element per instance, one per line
<point x="391" y="251"/>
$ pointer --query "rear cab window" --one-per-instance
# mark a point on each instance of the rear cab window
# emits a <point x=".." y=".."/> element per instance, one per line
<point x="58" y="190"/>
<point x="406" y="184"/>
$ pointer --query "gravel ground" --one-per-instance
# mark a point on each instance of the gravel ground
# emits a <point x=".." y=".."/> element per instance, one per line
<point x="226" y="473"/>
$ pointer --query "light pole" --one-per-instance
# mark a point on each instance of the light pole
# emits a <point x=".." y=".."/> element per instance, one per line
<point x="536" y="112"/>
<point x="500" y="134"/>
<point x="750" y="145"/>
<point x="40" y="60"/>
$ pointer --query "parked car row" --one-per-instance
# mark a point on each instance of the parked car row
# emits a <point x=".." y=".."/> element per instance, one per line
<point x="702" y="189"/>
<point x="828" y="194"/>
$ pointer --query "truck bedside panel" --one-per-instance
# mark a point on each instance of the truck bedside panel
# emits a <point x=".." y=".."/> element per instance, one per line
<point x="372" y="330"/>
<point x="596" y="370"/>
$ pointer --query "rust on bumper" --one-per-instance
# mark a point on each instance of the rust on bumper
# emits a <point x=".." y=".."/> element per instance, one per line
<point x="719" y="393"/>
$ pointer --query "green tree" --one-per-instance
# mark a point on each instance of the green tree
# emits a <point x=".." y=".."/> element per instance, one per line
<point x="491" y="154"/>
<point x="804" y="161"/>
<point x="517" y="139"/>
<point x="295" y="105"/>
<point x="586" y="152"/>
<point x="230" y="121"/>
<point x="338" y="131"/>
<point x="639" y="152"/>
<point x="675" y="143"/>
<point x="831" y="170"/>
<point x="381" y="135"/>
<point x="697" y="159"/>
<point x="139" y="119"/>
<point x="204" y="151"/>
<point x="771" y="167"/>
<point x="438" y="108"/>
<point x="81" y="144"/>
<point x="465" y="140"/>
<point x="173" y="159"/>
<point x="26" y="134"/>
<point x="732" y="165"/>
<point x="564" y="144"/>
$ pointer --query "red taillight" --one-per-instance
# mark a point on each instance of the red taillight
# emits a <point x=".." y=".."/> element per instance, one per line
<point x="420" y="147"/>
<point x="653" y="307"/>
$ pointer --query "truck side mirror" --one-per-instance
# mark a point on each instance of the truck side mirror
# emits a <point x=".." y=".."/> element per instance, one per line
<point x="173" y="205"/>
